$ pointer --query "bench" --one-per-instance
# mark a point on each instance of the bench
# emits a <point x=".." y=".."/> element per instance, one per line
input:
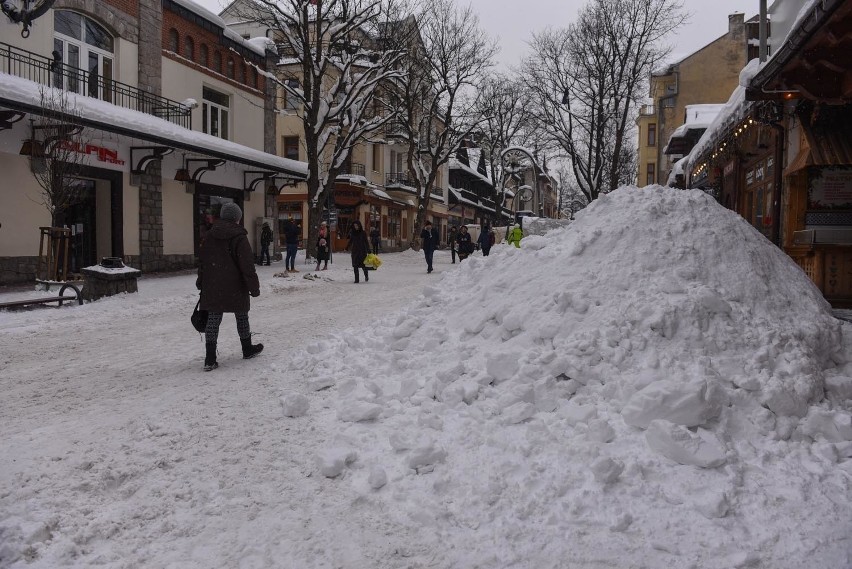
<point x="48" y="299"/>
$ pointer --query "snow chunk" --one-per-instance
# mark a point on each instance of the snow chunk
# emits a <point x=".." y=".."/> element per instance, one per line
<point x="294" y="405"/>
<point x="378" y="477"/>
<point x="426" y="456"/>
<point x="689" y="404"/>
<point x="355" y="411"/>
<point x="832" y="426"/>
<point x="679" y="444"/>
<point x="332" y="461"/>
<point x="607" y="470"/>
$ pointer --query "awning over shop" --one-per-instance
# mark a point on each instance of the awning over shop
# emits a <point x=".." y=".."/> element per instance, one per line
<point x="24" y="95"/>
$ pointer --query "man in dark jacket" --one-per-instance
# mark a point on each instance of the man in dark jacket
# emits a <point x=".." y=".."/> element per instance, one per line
<point x="452" y="240"/>
<point x="430" y="240"/>
<point x="265" y="242"/>
<point x="484" y="240"/>
<point x="375" y="240"/>
<point x="292" y="232"/>
<point x="226" y="278"/>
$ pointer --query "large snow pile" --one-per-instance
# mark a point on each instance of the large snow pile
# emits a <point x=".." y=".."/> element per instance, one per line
<point x="643" y="388"/>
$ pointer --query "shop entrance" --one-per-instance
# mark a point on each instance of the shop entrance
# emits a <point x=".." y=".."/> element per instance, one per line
<point x="208" y="201"/>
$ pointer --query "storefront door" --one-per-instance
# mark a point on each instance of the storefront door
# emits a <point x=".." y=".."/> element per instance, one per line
<point x="81" y="218"/>
<point x="208" y="201"/>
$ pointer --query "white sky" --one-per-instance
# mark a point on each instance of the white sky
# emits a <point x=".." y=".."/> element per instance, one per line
<point x="513" y="22"/>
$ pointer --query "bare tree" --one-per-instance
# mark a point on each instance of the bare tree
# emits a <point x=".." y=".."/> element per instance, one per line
<point x="588" y="81"/>
<point x="333" y="66"/>
<point x="447" y="53"/>
<point x="506" y="121"/>
<point x="57" y="156"/>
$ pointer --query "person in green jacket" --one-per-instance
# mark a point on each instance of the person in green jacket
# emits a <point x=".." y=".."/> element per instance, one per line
<point x="515" y="235"/>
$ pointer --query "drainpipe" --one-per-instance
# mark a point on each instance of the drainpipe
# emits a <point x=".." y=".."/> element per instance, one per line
<point x="780" y="132"/>
<point x="762" y="30"/>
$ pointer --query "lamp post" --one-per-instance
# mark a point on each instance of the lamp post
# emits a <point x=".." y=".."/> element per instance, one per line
<point x="511" y="159"/>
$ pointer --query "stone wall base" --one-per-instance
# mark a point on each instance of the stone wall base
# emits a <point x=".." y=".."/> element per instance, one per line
<point x="16" y="270"/>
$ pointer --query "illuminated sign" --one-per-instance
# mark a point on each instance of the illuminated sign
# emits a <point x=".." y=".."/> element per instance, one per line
<point x="101" y="153"/>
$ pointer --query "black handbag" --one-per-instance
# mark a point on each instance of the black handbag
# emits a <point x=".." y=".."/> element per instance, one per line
<point x="199" y="317"/>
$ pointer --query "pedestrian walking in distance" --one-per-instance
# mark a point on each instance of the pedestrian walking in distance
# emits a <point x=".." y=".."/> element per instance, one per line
<point x="486" y="240"/>
<point x="359" y="247"/>
<point x="291" y="238"/>
<point x="323" y="246"/>
<point x="515" y="235"/>
<point x="265" y="242"/>
<point x="430" y="239"/>
<point x="226" y="278"/>
<point x="376" y="240"/>
<point x="465" y="244"/>
<point x="452" y="239"/>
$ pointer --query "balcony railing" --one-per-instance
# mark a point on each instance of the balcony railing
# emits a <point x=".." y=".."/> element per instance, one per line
<point x="647" y="110"/>
<point x="52" y="73"/>
<point x="399" y="179"/>
<point x="353" y="169"/>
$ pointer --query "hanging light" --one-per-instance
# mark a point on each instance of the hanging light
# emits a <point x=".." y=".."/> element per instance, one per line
<point x="32" y="148"/>
<point x="182" y="175"/>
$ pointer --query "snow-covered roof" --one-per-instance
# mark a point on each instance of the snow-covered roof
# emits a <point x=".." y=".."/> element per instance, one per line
<point x="458" y="195"/>
<point x="456" y="164"/>
<point x="677" y="170"/>
<point x="111" y="118"/>
<point x="213" y="18"/>
<point x="732" y="111"/>
<point x="697" y="117"/>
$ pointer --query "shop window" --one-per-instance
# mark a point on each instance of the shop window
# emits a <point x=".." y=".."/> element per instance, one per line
<point x="394" y="223"/>
<point x="291" y="147"/>
<point x="215" y="111"/>
<point x="174" y="41"/>
<point x="189" y="48"/>
<point x="86" y="50"/>
<point x="650" y="174"/>
<point x="287" y="210"/>
<point x="376" y="155"/>
<point x="652" y="135"/>
<point x="203" y="55"/>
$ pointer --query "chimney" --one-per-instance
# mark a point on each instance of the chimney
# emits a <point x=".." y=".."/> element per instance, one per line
<point x="735" y="21"/>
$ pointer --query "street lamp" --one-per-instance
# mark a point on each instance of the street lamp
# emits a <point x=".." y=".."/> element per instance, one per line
<point x="511" y="159"/>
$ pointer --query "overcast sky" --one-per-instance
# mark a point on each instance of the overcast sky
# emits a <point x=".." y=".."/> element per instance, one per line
<point x="514" y="21"/>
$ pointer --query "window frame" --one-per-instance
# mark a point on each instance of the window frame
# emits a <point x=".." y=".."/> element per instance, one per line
<point x="211" y="107"/>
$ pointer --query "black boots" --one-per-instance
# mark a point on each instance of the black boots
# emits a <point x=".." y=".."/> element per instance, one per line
<point x="210" y="362"/>
<point x="249" y="350"/>
<point x="357" y="275"/>
<point x="366" y="275"/>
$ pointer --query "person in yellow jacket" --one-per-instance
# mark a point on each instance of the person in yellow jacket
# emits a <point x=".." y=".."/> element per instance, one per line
<point x="515" y="235"/>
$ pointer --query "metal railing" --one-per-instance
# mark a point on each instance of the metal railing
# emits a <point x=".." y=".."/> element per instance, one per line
<point x="54" y="73"/>
<point x="399" y="179"/>
<point x="353" y="169"/>
<point x="647" y="110"/>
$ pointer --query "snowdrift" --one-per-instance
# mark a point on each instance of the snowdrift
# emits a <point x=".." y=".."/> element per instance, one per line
<point x="643" y="386"/>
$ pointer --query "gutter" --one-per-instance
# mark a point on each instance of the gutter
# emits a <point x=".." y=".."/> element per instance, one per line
<point x="794" y="41"/>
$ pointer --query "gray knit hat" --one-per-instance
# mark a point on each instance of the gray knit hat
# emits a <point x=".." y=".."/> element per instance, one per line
<point x="231" y="212"/>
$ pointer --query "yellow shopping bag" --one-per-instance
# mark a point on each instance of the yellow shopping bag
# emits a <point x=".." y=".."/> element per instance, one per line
<point x="372" y="261"/>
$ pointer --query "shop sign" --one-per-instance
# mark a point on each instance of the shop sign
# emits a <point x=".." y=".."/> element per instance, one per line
<point x="830" y="188"/>
<point x="729" y="168"/>
<point x="102" y="154"/>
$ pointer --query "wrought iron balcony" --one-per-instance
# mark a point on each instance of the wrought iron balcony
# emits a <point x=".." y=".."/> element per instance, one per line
<point x="54" y="73"/>
<point x="353" y="169"/>
<point x="399" y="179"/>
<point x="647" y="110"/>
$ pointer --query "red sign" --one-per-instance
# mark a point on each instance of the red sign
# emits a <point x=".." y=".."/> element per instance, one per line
<point x="102" y="154"/>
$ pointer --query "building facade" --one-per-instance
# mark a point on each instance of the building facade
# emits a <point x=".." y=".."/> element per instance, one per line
<point x="166" y="119"/>
<point x="704" y="77"/>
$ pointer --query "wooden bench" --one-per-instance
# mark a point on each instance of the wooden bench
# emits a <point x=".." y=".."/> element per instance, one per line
<point x="61" y="299"/>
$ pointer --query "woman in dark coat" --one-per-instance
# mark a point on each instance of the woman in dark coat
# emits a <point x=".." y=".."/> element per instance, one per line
<point x="323" y="246"/>
<point x="226" y="278"/>
<point x="359" y="245"/>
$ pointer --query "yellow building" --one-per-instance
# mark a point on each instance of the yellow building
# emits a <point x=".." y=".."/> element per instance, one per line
<point x="705" y="76"/>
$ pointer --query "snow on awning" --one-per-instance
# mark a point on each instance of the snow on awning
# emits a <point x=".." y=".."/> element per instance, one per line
<point x="25" y="95"/>
<point x="455" y="164"/>
<point x="459" y="199"/>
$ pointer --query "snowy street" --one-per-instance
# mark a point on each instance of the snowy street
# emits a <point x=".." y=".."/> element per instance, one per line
<point x="113" y="437"/>
<point x="654" y="385"/>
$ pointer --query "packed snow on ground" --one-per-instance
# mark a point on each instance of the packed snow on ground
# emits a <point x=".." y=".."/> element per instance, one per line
<point x="654" y="385"/>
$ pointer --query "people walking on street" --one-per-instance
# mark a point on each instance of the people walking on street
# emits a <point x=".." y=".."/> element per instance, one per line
<point x="376" y="240"/>
<point x="359" y="247"/>
<point x="226" y="279"/>
<point x="323" y="246"/>
<point x="430" y="239"/>
<point x="453" y="245"/>
<point x="265" y="242"/>
<point x="515" y="235"/>
<point x="464" y="242"/>
<point x="292" y="232"/>
<point x="486" y="240"/>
